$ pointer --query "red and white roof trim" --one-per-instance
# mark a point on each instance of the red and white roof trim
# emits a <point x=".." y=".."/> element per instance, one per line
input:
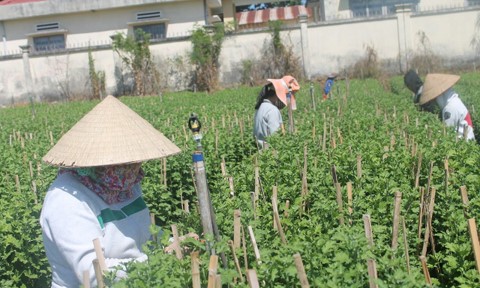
<point x="281" y="13"/>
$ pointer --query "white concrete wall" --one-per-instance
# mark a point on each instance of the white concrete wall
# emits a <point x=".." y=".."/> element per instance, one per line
<point x="332" y="47"/>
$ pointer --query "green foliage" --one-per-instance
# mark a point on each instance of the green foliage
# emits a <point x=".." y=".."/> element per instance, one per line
<point x="135" y="54"/>
<point x="206" y="48"/>
<point x="382" y="127"/>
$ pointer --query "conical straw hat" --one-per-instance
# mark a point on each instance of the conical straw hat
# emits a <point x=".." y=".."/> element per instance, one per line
<point x="111" y="133"/>
<point x="435" y="85"/>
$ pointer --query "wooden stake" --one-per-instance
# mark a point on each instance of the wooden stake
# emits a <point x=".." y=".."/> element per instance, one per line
<point x="230" y="184"/>
<point x="302" y="276"/>
<point x="254" y="243"/>
<point x="368" y="229"/>
<point x="34" y="189"/>
<point x="464" y="195"/>
<point x="212" y="271"/>
<point x="350" y="199"/>
<point x="98" y="273"/>
<point x="236" y="228"/>
<point x="420" y="215"/>
<point x="195" y="263"/>
<point x="244" y="247"/>
<point x="359" y="166"/>
<point x="287" y="206"/>
<point x="372" y="273"/>
<point x="419" y="167"/>
<point x="446" y="175"/>
<point x="276" y="217"/>
<point x="338" y="189"/>
<point x="99" y="254"/>
<point x="472" y="229"/>
<point x="235" y="259"/>
<point x="86" y="279"/>
<point x="17" y="184"/>
<point x="223" y="167"/>
<point x="176" y="242"/>
<point x="252" y="279"/>
<point x="423" y="260"/>
<point x="396" y="219"/>
<point x="405" y="244"/>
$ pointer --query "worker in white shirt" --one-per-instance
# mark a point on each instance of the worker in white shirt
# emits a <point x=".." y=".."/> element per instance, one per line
<point x="97" y="192"/>
<point x="438" y="89"/>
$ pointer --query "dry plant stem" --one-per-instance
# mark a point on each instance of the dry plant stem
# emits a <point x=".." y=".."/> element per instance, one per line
<point x="212" y="271"/>
<point x="254" y="243"/>
<point x="405" y="243"/>
<point x="98" y="273"/>
<point x="252" y="279"/>
<point x="472" y="229"/>
<point x="302" y="276"/>
<point x="195" y="263"/>
<point x="235" y="259"/>
<point x="396" y="219"/>
<point x="99" y="254"/>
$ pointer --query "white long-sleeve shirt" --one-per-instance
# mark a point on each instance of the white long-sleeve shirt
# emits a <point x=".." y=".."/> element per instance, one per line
<point x="72" y="217"/>
<point x="267" y="120"/>
<point x="455" y="113"/>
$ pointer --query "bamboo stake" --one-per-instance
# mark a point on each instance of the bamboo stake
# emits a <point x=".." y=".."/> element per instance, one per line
<point x="195" y="263"/>
<point x="287" y="206"/>
<point x="86" y="279"/>
<point x="359" y="166"/>
<point x="350" y="199"/>
<point x="430" y="216"/>
<point x="254" y="243"/>
<point x="218" y="281"/>
<point x="235" y="259"/>
<point x="17" y="184"/>
<point x="34" y="189"/>
<point x="176" y="242"/>
<point x="98" y="273"/>
<point x="464" y="195"/>
<point x="423" y="260"/>
<point x="257" y="182"/>
<point x="302" y="276"/>
<point x="236" y="228"/>
<point x="212" y="271"/>
<point x="419" y="167"/>
<point x="277" y="217"/>
<point x="368" y="229"/>
<point x="472" y="229"/>
<point x="338" y="189"/>
<point x="230" y="184"/>
<point x="396" y="219"/>
<point x="304" y="179"/>
<point x="30" y="168"/>
<point x="244" y="248"/>
<point x="405" y="244"/>
<point x="222" y="166"/>
<point x="372" y="273"/>
<point x="324" y="144"/>
<point x="99" y="254"/>
<point x="252" y="279"/>
<point x="186" y="206"/>
<point x="254" y="205"/>
<point x="446" y="175"/>
<point x="420" y="215"/>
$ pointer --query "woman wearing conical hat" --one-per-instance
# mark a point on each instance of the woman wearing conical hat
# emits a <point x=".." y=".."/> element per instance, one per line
<point x="273" y="98"/>
<point x="97" y="192"/>
<point x="438" y="88"/>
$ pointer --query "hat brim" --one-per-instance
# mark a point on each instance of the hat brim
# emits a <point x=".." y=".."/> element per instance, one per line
<point x="281" y="90"/>
<point x="110" y="134"/>
<point x="435" y="85"/>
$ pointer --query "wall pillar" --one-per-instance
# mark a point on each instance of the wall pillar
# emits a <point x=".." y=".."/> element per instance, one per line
<point x="303" y="19"/>
<point x="28" y="73"/>
<point x="405" y="43"/>
<point x="228" y="11"/>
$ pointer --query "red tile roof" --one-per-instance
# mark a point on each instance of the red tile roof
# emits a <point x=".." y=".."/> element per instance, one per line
<point x="262" y="16"/>
<point x="11" y="2"/>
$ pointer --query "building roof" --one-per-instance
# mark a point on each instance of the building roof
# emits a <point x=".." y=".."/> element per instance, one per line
<point x="11" y="2"/>
<point x="263" y="16"/>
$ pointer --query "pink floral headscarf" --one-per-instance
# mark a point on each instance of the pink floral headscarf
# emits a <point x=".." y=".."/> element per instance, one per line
<point x="114" y="184"/>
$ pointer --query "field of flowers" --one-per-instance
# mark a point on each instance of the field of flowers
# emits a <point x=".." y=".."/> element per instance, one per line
<point x="365" y="159"/>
